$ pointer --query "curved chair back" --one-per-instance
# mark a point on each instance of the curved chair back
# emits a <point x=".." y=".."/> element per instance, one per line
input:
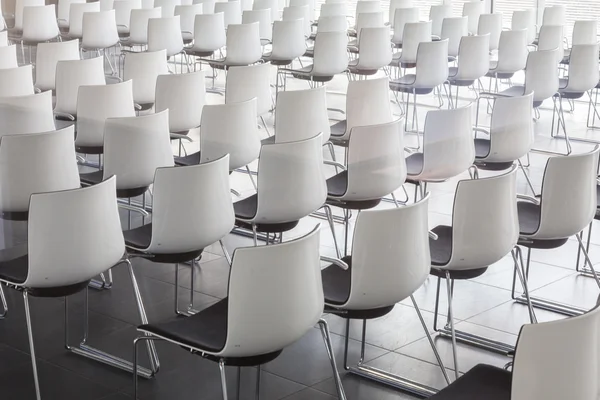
<point x="512" y="51"/>
<point x="298" y="12"/>
<point x="550" y="38"/>
<point x="454" y="29"/>
<point x="248" y="82"/>
<point x="187" y="18"/>
<point x="511" y="131"/>
<point x="583" y="68"/>
<point x="374" y="51"/>
<point x="165" y="33"/>
<point x="271" y="5"/>
<point x="368" y="20"/>
<point x="123" y="10"/>
<point x="333" y="23"/>
<point x="492" y="24"/>
<point x="473" y="10"/>
<point x="301" y="114"/>
<point x="367" y="6"/>
<point x="99" y="30"/>
<point x="184" y="96"/>
<point x="289" y="41"/>
<point x="208" y="6"/>
<point x="93" y="233"/>
<point x="400" y="18"/>
<point x="367" y="103"/>
<point x="397" y="5"/>
<point x="230" y="129"/>
<point x="70" y="75"/>
<point x="209" y="32"/>
<point x="26" y="114"/>
<point x="39" y="24"/>
<point x="76" y="17"/>
<point x="291" y="180"/>
<point x="20" y="6"/>
<point x="63" y="11"/>
<point x="311" y="7"/>
<point x="97" y="103"/>
<point x="568" y="201"/>
<point x="555" y="15"/>
<point x="143" y="69"/>
<point x="541" y="75"/>
<point x="387" y="268"/>
<point x="134" y="147"/>
<point x="432" y="64"/>
<point x="485" y="224"/>
<point x="414" y="34"/>
<point x="448" y="148"/>
<point x="8" y="57"/>
<point x="473" y="57"/>
<point x="333" y="10"/>
<point x="330" y="56"/>
<point x="263" y="18"/>
<point x="437" y="14"/>
<point x="167" y="7"/>
<point x="16" y="81"/>
<point x="243" y="44"/>
<point x="54" y="167"/>
<point x="106" y="5"/>
<point x="47" y="56"/>
<point x="585" y="32"/>
<point x="138" y="29"/>
<point x="232" y="12"/>
<point x="525" y="19"/>
<point x="376" y="165"/>
<point x="179" y="229"/>
<point x="265" y="283"/>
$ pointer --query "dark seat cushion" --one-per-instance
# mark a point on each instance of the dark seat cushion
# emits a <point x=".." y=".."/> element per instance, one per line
<point x="190" y="159"/>
<point x="246" y="208"/>
<point x="336" y="282"/>
<point x="139" y="237"/>
<point x="482" y="382"/>
<point x="482" y="148"/>
<point x="91" y="178"/>
<point x="441" y="249"/>
<point x="529" y="217"/>
<point x="337" y="184"/>
<point x="339" y="128"/>
<point x="414" y="164"/>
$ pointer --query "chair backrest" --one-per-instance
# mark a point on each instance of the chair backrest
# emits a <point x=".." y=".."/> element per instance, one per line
<point x="26" y="114"/>
<point x="16" y="81"/>
<point x="454" y="29"/>
<point x="180" y="225"/>
<point x="271" y="5"/>
<point x="376" y="165"/>
<point x="298" y="12"/>
<point x="375" y="51"/>
<point x="63" y="11"/>
<point x="56" y="248"/>
<point x="550" y="38"/>
<point x="265" y="283"/>
<point x="252" y="81"/>
<point x="230" y="129"/>
<point x="301" y="114"/>
<point x="146" y="4"/>
<point x="432" y="64"/>
<point x="20" y="8"/>
<point x="401" y="17"/>
<point x="311" y="7"/>
<point x="291" y="180"/>
<point x="493" y="200"/>
<point x="95" y="104"/>
<point x="367" y="6"/>
<point x="99" y="30"/>
<point x="243" y="44"/>
<point x="47" y="56"/>
<point x="138" y="25"/>
<point x="8" y="57"/>
<point x="333" y="10"/>
<point x="144" y="68"/>
<point x="184" y="96"/>
<point x="39" y="23"/>
<point x="415" y="33"/>
<point x="387" y="268"/>
<point x="263" y="17"/>
<point x="54" y="167"/>
<point x="70" y="75"/>
<point x="512" y="51"/>
<point x="123" y="13"/>
<point x="448" y="148"/>
<point x="330" y="54"/>
<point x="555" y="15"/>
<point x="525" y="19"/>
<point x="288" y="39"/>
<point x="167" y="7"/>
<point x="536" y="375"/>
<point x="208" y="6"/>
<point x="541" y="74"/>
<point x="492" y="24"/>
<point x="511" y="131"/>
<point x="473" y="9"/>
<point x="209" y="32"/>
<point x="187" y="17"/>
<point x="437" y="14"/>
<point x="134" y="147"/>
<point x="585" y="32"/>
<point x="396" y="5"/>
<point x="165" y="33"/>
<point x="564" y="214"/>
<point x="583" y="68"/>
<point x="232" y="11"/>
<point x="367" y="103"/>
<point x="76" y="17"/>
<point x="473" y="57"/>
<point x="369" y="20"/>
<point x="106" y="5"/>
<point x="334" y="23"/>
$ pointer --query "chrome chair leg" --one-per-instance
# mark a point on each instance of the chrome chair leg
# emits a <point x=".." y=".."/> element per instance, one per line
<point x="225" y="252"/>
<point x="223" y="378"/>
<point x="520" y="270"/>
<point x="526" y="176"/>
<point x="584" y="270"/>
<point x="329" y="347"/>
<point x="258" y="370"/>
<point x="31" y="345"/>
<point x="4" y="304"/>
<point x="451" y="319"/>
<point x="329" y="214"/>
<point x="251" y="177"/>
<point x="239" y="383"/>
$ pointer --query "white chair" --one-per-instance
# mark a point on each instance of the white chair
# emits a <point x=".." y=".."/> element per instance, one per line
<point x="76" y="17"/>
<point x="53" y="169"/>
<point x="401" y="17"/>
<point x="252" y="81"/>
<point x="165" y="33"/>
<point x="138" y="26"/>
<point x="397" y="5"/>
<point x="253" y="324"/>
<point x="311" y="7"/>
<point x="3" y="38"/>
<point x="288" y="42"/>
<point x="232" y="12"/>
<point x="473" y="64"/>
<point x="70" y="75"/>
<point x="47" y="56"/>
<point x="555" y="15"/>
<point x="271" y="5"/>
<point x="123" y="10"/>
<point x="16" y="81"/>
<point x="492" y="24"/>
<point x="365" y="6"/>
<point x="299" y="12"/>
<point x="100" y="33"/>
<point x="414" y="34"/>
<point x="263" y="17"/>
<point x="512" y="56"/>
<point x="550" y="38"/>
<point x="454" y="29"/>
<point x="525" y="19"/>
<point x="374" y="51"/>
<point x="208" y="6"/>
<point x="19" y="13"/>
<point x="437" y="14"/>
<point x="106" y="5"/>
<point x="209" y="35"/>
<point x="143" y="69"/>
<point x="365" y="20"/>
<point x="63" y="10"/>
<point x="187" y="15"/>
<point x="584" y="32"/>
<point x="167" y="7"/>
<point x="26" y="114"/>
<point x="243" y="46"/>
<point x="39" y="24"/>
<point x="473" y="10"/>
<point x="333" y="10"/>
<point x="95" y="104"/>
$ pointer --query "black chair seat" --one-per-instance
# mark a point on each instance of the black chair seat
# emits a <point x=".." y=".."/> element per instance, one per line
<point x="199" y="53"/>
<point x="360" y="71"/>
<point x="339" y="128"/>
<point x="452" y="72"/>
<point x="305" y="74"/>
<point x="269" y="140"/>
<point x="414" y="164"/>
<point x="93" y="178"/>
<point x="441" y="253"/>
<point x="15" y="215"/>
<point x="482" y="150"/>
<point x="246" y="210"/>
<point x="140" y="238"/>
<point x="90" y="149"/>
<point x="597" y="216"/>
<point x="337" y="184"/>
<point x="190" y="159"/>
<point x="268" y="58"/>
<point x="529" y="221"/>
<point x="482" y="382"/>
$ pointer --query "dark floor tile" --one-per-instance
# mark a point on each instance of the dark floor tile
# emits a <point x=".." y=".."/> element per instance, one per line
<point x="357" y="388"/>
<point x="11" y="358"/>
<point x="310" y="394"/>
<point x="211" y="278"/>
<point x="117" y="396"/>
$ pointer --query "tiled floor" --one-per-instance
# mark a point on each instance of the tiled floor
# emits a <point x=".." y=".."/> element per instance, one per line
<point x="396" y="342"/>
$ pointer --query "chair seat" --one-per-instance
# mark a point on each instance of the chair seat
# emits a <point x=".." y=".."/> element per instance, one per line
<point x="246" y="208"/>
<point x="406" y="85"/>
<point x="339" y="128"/>
<point x="91" y="178"/>
<point x="337" y="187"/>
<point x="138" y="238"/>
<point x="190" y="159"/>
<point x="482" y="147"/>
<point x="482" y="382"/>
<point x="337" y="184"/>
<point x="567" y="93"/>
<point x="306" y="74"/>
<point x="414" y="164"/>
<point x="482" y="150"/>
<point x="441" y="253"/>
<point x="513" y="91"/>
<point x="199" y="53"/>
<point x="88" y="149"/>
<point x="529" y="222"/>
<point x="310" y="52"/>
<point x="452" y="72"/>
<point x="245" y="211"/>
<point x="493" y="73"/>
<point x="268" y="57"/>
<point x="353" y="68"/>
<point x="269" y="140"/>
